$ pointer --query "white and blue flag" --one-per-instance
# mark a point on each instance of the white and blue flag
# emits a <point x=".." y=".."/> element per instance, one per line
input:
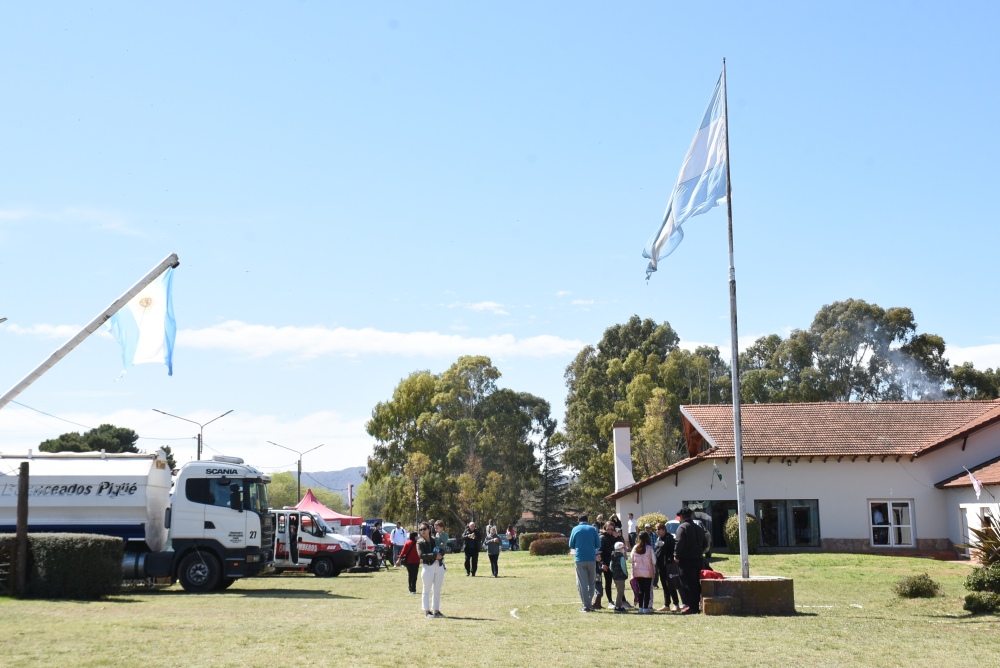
<point x="145" y="327"/>
<point x="701" y="185"/>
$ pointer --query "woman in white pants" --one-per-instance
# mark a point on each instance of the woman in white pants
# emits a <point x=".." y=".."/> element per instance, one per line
<point x="432" y="575"/>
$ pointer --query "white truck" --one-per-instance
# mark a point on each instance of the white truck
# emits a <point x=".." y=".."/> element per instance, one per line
<point x="303" y="541"/>
<point x="212" y="529"/>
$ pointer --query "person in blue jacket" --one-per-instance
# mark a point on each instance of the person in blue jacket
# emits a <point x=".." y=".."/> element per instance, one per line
<point x="585" y="542"/>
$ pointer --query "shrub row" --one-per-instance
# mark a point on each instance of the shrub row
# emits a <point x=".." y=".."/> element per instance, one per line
<point x="526" y="539"/>
<point x="72" y="565"/>
<point x="545" y="547"/>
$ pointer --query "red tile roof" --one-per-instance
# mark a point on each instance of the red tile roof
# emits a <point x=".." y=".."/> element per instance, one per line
<point x="841" y="428"/>
<point x="834" y="429"/>
<point x="987" y="473"/>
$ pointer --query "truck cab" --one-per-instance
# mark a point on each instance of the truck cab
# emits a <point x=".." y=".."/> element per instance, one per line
<point x="303" y="541"/>
<point x="219" y="524"/>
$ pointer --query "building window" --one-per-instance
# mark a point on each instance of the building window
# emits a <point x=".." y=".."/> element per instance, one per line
<point x="788" y="523"/>
<point x="891" y="523"/>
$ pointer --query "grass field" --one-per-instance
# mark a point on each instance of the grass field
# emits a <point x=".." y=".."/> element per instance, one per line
<point x="847" y="616"/>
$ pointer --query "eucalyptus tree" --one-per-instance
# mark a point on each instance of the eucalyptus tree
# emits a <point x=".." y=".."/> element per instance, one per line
<point x="457" y="442"/>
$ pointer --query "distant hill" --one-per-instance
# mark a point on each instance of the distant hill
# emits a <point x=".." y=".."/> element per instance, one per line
<point x="334" y="481"/>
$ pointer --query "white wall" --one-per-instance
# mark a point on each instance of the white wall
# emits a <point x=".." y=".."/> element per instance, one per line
<point x="842" y="488"/>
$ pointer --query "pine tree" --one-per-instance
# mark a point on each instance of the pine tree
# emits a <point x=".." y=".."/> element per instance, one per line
<point x="548" y="504"/>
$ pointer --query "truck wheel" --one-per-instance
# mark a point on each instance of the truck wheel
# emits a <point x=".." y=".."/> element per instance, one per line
<point x="199" y="572"/>
<point x="323" y="567"/>
<point x="371" y="561"/>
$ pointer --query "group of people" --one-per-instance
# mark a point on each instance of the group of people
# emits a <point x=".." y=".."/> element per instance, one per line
<point x="601" y="556"/>
<point x="427" y="546"/>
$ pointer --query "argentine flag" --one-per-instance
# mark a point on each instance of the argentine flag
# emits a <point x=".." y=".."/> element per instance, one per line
<point x="701" y="185"/>
<point x="145" y="327"/>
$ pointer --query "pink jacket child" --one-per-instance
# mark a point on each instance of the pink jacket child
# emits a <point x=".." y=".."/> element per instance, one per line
<point x="643" y="565"/>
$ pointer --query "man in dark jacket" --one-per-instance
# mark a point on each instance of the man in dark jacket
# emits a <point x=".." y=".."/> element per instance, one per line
<point x="689" y="554"/>
<point x="665" y="567"/>
<point x="472" y="543"/>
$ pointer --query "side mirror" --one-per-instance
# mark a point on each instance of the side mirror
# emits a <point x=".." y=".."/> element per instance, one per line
<point x="235" y="498"/>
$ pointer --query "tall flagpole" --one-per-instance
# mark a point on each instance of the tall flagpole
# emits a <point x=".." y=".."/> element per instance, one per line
<point x="737" y="426"/>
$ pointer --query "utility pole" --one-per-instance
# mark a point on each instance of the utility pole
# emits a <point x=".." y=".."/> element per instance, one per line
<point x="201" y="425"/>
<point x="299" y="488"/>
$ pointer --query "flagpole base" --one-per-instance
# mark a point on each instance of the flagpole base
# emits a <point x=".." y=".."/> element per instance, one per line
<point x="756" y="595"/>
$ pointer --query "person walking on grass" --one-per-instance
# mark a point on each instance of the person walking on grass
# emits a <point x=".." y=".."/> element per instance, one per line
<point x="410" y="558"/>
<point x="493" y="543"/>
<point x="473" y="542"/>
<point x="585" y="542"/>
<point x="432" y="574"/>
<point x="643" y="567"/>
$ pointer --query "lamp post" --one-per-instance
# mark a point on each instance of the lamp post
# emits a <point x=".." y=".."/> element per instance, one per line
<point x="299" y="487"/>
<point x="201" y="425"/>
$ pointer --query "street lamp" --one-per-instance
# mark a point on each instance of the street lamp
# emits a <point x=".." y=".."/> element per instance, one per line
<point x="201" y="425"/>
<point x="299" y="488"/>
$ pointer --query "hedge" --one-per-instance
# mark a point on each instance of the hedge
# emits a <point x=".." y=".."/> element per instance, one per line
<point x="544" y="547"/>
<point x="526" y="539"/>
<point x="72" y="565"/>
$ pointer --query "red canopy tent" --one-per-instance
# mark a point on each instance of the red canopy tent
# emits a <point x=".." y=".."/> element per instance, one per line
<point x="311" y="503"/>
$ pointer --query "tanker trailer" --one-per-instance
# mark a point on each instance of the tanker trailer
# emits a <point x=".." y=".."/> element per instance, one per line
<point x="212" y="528"/>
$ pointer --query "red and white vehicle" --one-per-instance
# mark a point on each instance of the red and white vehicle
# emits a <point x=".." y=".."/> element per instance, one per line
<point x="303" y="541"/>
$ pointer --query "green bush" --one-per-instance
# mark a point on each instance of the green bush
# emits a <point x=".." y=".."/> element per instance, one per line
<point x="982" y="601"/>
<point x="652" y="519"/>
<point x="74" y="566"/>
<point x="731" y="532"/>
<point x="984" y="579"/>
<point x="917" y="586"/>
<point x="525" y="540"/>
<point x="545" y="547"/>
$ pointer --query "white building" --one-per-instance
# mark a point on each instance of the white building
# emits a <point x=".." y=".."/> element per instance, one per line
<point x="854" y="477"/>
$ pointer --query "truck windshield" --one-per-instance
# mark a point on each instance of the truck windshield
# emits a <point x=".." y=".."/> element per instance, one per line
<point x="256" y="496"/>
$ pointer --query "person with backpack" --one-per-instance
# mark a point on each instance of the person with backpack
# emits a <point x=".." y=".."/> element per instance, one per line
<point x="619" y="574"/>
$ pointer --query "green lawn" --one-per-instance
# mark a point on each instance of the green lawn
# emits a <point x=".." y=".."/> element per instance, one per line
<point x="847" y="616"/>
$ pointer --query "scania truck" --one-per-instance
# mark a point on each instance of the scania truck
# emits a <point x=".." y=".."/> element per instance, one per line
<point x="211" y="528"/>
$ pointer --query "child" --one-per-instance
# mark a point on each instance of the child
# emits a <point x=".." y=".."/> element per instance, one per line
<point x="619" y="573"/>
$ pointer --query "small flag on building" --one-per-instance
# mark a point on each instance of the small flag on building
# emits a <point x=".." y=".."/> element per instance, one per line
<point x="976" y="485"/>
<point x="145" y="327"/>
<point x="718" y="474"/>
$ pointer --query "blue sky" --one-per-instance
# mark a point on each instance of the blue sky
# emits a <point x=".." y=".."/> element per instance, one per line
<point x="360" y="191"/>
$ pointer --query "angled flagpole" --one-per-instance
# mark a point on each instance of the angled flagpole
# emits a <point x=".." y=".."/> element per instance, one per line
<point x="741" y="503"/>
<point x="168" y="262"/>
